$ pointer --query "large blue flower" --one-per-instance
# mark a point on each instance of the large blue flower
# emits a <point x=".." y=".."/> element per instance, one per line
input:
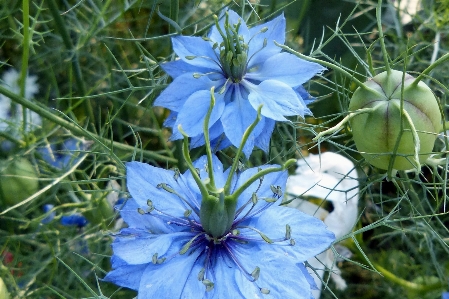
<point x="246" y="69"/>
<point x="167" y="250"/>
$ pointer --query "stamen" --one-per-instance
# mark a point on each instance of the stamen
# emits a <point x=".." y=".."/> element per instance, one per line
<point x="264" y="291"/>
<point x="262" y="235"/>
<point x="255" y="274"/>
<point x="188" y="244"/>
<point x="209" y="284"/>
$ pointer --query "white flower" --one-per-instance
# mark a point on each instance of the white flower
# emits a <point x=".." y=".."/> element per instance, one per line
<point x="332" y="177"/>
<point x="11" y="115"/>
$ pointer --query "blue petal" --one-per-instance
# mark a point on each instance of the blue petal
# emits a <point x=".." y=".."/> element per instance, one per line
<point x="275" y="32"/>
<point x="278" y="99"/>
<point x="176" y="94"/>
<point x="194" y="111"/>
<point x="140" y="249"/>
<point x="263" y="139"/>
<point x="287" y="68"/>
<point x="237" y="117"/>
<point x="304" y="95"/>
<point x="74" y="220"/>
<point x="279" y="274"/>
<point x="143" y="181"/>
<point x="178" y="67"/>
<point x="134" y="219"/>
<point x="127" y="276"/>
<point x="309" y="277"/>
<point x="310" y="234"/>
<point x="168" y="279"/>
<point x="201" y="50"/>
<point x="217" y="138"/>
<point x="234" y="18"/>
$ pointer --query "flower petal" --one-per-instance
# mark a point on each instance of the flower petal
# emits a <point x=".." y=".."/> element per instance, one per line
<point x="194" y="111"/>
<point x="167" y="279"/>
<point x="176" y="94"/>
<point x="278" y="99"/>
<point x="127" y="276"/>
<point x="287" y="68"/>
<point x="238" y="115"/>
<point x="276" y="32"/>
<point x="178" y="67"/>
<point x="196" y="51"/>
<point x="143" y="181"/>
<point x="138" y="247"/>
<point x="263" y="140"/>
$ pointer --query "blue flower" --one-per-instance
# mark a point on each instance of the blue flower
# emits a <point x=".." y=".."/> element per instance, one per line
<point x="74" y="220"/>
<point x="445" y="295"/>
<point x="246" y="69"/>
<point x="173" y="249"/>
<point x="63" y="155"/>
<point x="47" y="208"/>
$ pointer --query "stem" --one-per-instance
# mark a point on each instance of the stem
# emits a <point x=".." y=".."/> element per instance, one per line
<point x="25" y="56"/>
<point x="429" y="69"/>
<point x="235" y="164"/>
<point x="407" y="284"/>
<point x="74" y="128"/>
<point x="260" y="174"/>
<point x="207" y="139"/>
<point x="382" y="37"/>
<point x="60" y="25"/>
<point x="342" y="122"/>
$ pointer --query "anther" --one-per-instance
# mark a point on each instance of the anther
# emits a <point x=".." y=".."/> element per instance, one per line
<point x="264" y="291"/>
<point x="255" y="274"/>
<point x="154" y="258"/>
<point x="201" y="274"/>
<point x="288" y="232"/>
<point x="292" y="242"/>
<point x="187" y="213"/>
<point x="190" y="57"/>
<point x="254" y="198"/>
<point x="209" y="284"/>
<point x="141" y="211"/>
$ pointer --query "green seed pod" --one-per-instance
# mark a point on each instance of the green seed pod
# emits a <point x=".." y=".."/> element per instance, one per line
<point x="376" y="132"/>
<point x="3" y="291"/>
<point x="18" y="181"/>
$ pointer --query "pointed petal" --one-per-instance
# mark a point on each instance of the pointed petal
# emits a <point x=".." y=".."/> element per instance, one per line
<point x="309" y="233"/>
<point x="305" y="96"/>
<point x="237" y="117"/>
<point x="187" y="47"/>
<point x="263" y="140"/>
<point x="176" y="94"/>
<point x="286" y="68"/>
<point x="278" y="99"/>
<point x="126" y="276"/>
<point x="194" y="111"/>
<point x="178" y="67"/>
<point x="143" y="181"/>
<point x="167" y="280"/>
<point x="276" y="32"/>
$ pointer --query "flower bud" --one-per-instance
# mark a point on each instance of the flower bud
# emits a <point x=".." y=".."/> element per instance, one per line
<point x="18" y="181"/>
<point x="377" y="133"/>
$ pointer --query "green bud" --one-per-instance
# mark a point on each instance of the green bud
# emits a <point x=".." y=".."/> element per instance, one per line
<point x="376" y="132"/>
<point x="18" y="181"/>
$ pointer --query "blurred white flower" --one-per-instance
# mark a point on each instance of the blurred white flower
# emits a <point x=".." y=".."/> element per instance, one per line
<point x="332" y="177"/>
<point x="11" y="114"/>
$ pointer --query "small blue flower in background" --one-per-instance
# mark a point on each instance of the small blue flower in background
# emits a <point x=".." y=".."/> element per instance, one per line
<point x="46" y="208"/>
<point x="63" y="155"/>
<point x="74" y="220"/>
<point x="445" y="295"/>
<point x="246" y="69"/>
<point x="168" y="249"/>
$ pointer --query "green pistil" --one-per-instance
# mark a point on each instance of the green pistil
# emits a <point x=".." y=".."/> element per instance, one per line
<point x="233" y="50"/>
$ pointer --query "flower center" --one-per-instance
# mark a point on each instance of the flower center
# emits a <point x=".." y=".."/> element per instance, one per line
<point x="233" y="51"/>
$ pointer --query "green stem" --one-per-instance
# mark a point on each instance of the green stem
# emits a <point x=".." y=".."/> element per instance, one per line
<point x="235" y="164"/>
<point x="210" y="167"/>
<point x="260" y="174"/>
<point x="25" y="56"/>
<point x="174" y="12"/>
<point x="343" y="121"/>
<point x="107" y="144"/>
<point x="61" y="27"/>
<point x="382" y="37"/>
<point x="429" y="69"/>
<point x="407" y="284"/>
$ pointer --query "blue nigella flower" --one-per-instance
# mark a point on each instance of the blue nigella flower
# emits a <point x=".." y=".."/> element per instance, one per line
<point x="46" y="208"/>
<point x="74" y="220"/>
<point x="445" y="295"/>
<point x="246" y="69"/>
<point x="233" y="241"/>
<point x="64" y="154"/>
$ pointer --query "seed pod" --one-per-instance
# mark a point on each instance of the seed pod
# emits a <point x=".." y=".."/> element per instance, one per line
<point x="376" y="132"/>
<point x="18" y="181"/>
